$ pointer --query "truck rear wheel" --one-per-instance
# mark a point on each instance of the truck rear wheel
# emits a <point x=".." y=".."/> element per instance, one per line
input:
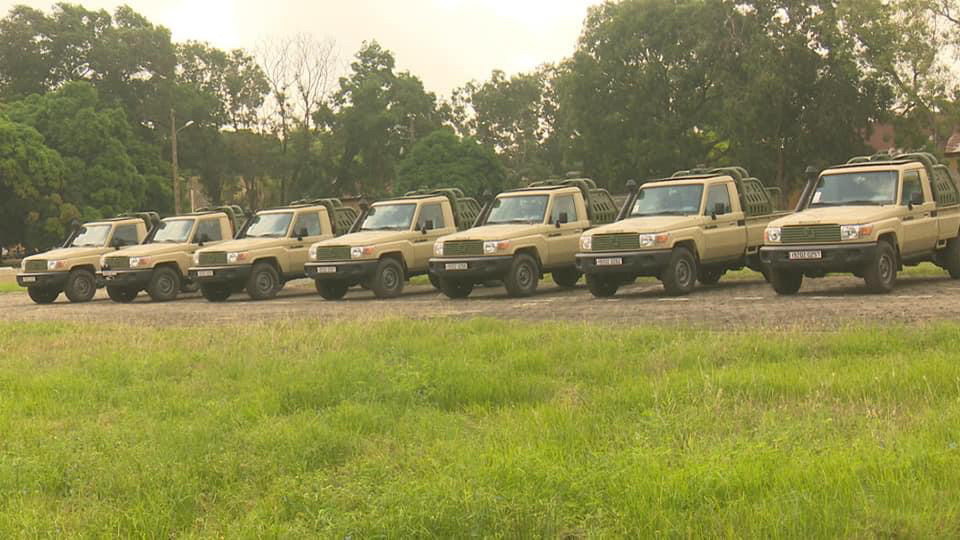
<point x="680" y="275"/>
<point x="215" y="293"/>
<point x="951" y="257"/>
<point x="387" y="281"/>
<point x="880" y="274"/>
<point x="455" y="288"/>
<point x="602" y="286"/>
<point x="164" y="284"/>
<point x="123" y="295"/>
<point x="81" y="286"/>
<point x="523" y="277"/>
<point x="566" y="278"/>
<point x="435" y="281"/>
<point x="264" y="282"/>
<point x="710" y="276"/>
<point x="331" y="290"/>
<point x="42" y="295"/>
<point x="785" y="281"/>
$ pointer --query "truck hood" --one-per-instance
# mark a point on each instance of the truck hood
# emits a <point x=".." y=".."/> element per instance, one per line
<point x="496" y="232"/>
<point x="160" y="248"/>
<point x="366" y="238"/>
<point x="837" y="215"/>
<point x="649" y="224"/>
<point x="71" y="253"/>
<point x="245" y="244"/>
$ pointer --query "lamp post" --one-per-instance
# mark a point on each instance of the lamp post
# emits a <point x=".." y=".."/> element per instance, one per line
<point x="173" y="152"/>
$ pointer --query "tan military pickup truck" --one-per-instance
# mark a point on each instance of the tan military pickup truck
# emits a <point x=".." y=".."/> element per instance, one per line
<point x="73" y="267"/>
<point x="522" y="234"/>
<point x="693" y="226"/>
<point x="160" y="264"/>
<point x="869" y="217"/>
<point x="391" y="242"/>
<point x="270" y="250"/>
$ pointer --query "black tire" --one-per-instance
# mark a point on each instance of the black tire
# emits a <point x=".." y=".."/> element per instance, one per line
<point x="880" y="274"/>
<point x="387" y="281"/>
<point x="122" y="295"/>
<point x="523" y="277"/>
<point x="455" y="288"/>
<point x="81" y="286"/>
<point x="710" y="276"/>
<point x="42" y="295"/>
<point x="785" y="282"/>
<point x="602" y="286"/>
<point x="164" y="284"/>
<point x="264" y="282"/>
<point x="435" y="281"/>
<point x="331" y="290"/>
<point x="189" y="286"/>
<point x="566" y="278"/>
<point x="951" y="258"/>
<point x="680" y="275"/>
<point x="215" y="293"/>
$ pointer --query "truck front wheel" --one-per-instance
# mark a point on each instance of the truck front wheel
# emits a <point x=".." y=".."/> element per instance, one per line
<point x="680" y="275"/>
<point x="122" y="295"/>
<point x="164" y="284"/>
<point x="785" y="281"/>
<point x="264" y="282"/>
<point x="42" y="295"/>
<point x="523" y="277"/>
<point x="602" y="286"/>
<point x="387" y="282"/>
<point x="455" y="288"/>
<point x="951" y="257"/>
<point x="215" y="293"/>
<point x="566" y="278"/>
<point x="81" y="286"/>
<point x="331" y="290"/>
<point x="881" y="273"/>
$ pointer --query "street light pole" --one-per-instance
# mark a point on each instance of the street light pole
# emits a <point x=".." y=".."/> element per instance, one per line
<point x="173" y="157"/>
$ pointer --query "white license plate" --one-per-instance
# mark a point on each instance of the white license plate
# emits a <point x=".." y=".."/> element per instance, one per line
<point x="610" y="261"/>
<point x="326" y="269"/>
<point x="204" y="273"/>
<point x="805" y="255"/>
<point x="29" y="279"/>
<point x="456" y="266"/>
<point x="109" y="274"/>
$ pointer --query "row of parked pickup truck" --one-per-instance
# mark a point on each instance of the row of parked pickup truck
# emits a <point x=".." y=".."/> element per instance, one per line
<point x="870" y="217"/>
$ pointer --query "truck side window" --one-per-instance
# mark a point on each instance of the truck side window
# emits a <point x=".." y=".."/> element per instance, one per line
<point x="564" y="204"/>
<point x="211" y="228"/>
<point x="309" y="221"/>
<point x="126" y="234"/>
<point x="718" y="194"/>
<point x="911" y="185"/>
<point x="430" y="212"/>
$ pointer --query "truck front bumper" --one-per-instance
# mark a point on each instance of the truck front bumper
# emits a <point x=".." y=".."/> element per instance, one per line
<point x="126" y="278"/>
<point x="633" y="263"/>
<point x="833" y="257"/>
<point x="341" y="270"/>
<point x="43" y="280"/>
<point x="476" y="269"/>
<point x="227" y="275"/>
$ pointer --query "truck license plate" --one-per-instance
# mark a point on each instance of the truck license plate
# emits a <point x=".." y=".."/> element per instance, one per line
<point x="326" y="269"/>
<point x="205" y="273"/>
<point x="29" y="279"/>
<point x="610" y="261"/>
<point x="109" y="274"/>
<point x="456" y="266"/>
<point x="805" y="255"/>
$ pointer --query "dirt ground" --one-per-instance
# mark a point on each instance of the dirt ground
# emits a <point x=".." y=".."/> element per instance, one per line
<point x="822" y="303"/>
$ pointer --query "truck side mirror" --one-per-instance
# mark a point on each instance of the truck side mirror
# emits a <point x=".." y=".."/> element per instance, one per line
<point x="562" y="219"/>
<point x="427" y="226"/>
<point x="719" y="209"/>
<point x="203" y="238"/>
<point x="916" y="199"/>
<point x="301" y="233"/>
<point x="117" y="243"/>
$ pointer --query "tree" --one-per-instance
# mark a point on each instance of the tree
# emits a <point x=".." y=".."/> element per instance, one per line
<point x="252" y="158"/>
<point x="442" y="159"/>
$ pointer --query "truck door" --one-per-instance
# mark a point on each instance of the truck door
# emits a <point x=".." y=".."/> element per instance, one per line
<point x="724" y="237"/>
<point x="423" y="243"/>
<point x="307" y="222"/>
<point x="563" y="239"/>
<point x="919" y="224"/>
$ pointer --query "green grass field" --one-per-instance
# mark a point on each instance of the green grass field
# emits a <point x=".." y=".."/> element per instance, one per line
<point x="459" y="429"/>
<point x="10" y="287"/>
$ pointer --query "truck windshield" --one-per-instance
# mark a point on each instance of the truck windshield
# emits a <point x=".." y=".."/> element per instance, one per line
<point x="270" y="225"/>
<point x="174" y="231"/>
<point x="524" y="209"/>
<point x="862" y="188"/>
<point x="682" y="200"/>
<point x="91" y="236"/>
<point x="389" y="217"/>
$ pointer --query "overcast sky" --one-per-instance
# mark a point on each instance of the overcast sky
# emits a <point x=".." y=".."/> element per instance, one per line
<point x="444" y="42"/>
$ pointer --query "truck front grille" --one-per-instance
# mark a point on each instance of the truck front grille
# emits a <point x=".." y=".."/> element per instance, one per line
<point x="117" y="263"/>
<point x="613" y="242"/>
<point x="333" y="253"/>
<point x="36" y="266"/>
<point x="460" y="248"/>
<point x="213" y="258"/>
<point x="809" y="234"/>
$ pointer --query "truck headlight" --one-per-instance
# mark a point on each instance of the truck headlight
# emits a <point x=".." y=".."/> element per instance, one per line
<point x="650" y="240"/>
<point x="238" y="257"/>
<point x="139" y="262"/>
<point x="495" y="246"/>
<point x="196" y="258"/>
<point x="853" y="232"/>
<point x="312" y="252"/>
<point x="772" y="234"/>
<point x="56" y="265"/>
<point x="438" y="249"/>
<point x="586" y="243"/>
<point x="360" y="251"/>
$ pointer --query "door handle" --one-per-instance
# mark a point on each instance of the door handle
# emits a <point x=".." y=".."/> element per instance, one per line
<point x="551" y="235"/>
<point x="907" y="218"/>
<point x="709" y="227"/>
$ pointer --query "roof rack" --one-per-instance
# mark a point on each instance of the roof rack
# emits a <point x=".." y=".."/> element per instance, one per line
<point x="942" y="180"/>
<point x="601" y="207"/>
<point x="465" y="209"/>
<point x="755" y="198"/>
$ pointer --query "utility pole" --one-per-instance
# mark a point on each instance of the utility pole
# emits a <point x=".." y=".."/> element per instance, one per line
<point x="173" y="158"/>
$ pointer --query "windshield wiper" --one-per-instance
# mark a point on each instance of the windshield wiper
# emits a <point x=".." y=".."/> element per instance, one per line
<point x="664" y="213"/>
<point x="511" y="221"/>
<point x="386" y="228"/>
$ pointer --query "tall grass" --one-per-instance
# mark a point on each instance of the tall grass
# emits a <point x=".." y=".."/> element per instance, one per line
<point x="458" y="429"/>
